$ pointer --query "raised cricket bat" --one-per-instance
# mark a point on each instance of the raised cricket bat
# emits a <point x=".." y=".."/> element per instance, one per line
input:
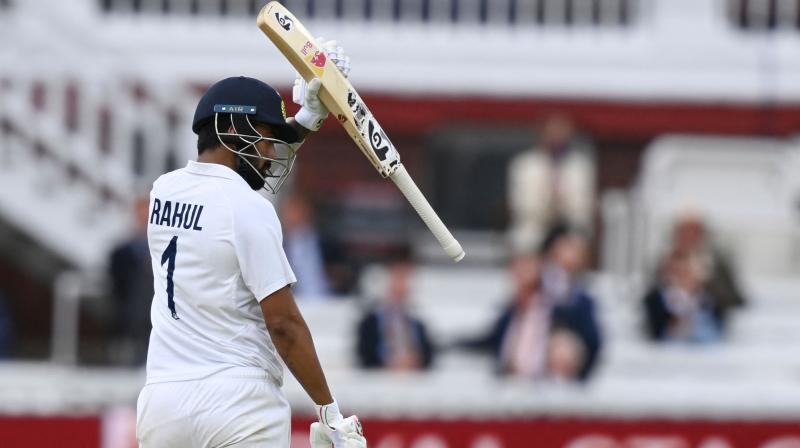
<point x="339" y="96"/>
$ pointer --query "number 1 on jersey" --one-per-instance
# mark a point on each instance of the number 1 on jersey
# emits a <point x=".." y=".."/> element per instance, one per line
<point x="169" y="257"/>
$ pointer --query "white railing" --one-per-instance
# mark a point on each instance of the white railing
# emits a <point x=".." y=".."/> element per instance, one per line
<point x="673" y="50"/>
<point x="509" y="12"/>
<point x="77" y="150"/>
<point x="69" y="288"/>
<point x="765" y="15"/>
<point x="751" y="15"/>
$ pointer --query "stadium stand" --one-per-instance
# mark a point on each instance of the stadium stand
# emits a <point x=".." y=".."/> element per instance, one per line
<point x="634" y="379"/>
<point x="95" y="101"/>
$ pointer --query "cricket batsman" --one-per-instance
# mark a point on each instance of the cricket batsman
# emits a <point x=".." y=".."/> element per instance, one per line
<point x="223" y="311"/>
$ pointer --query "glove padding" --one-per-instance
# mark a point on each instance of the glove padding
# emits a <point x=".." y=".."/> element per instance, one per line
<point x="313" y="113"/>
<point x="346" y="433"/>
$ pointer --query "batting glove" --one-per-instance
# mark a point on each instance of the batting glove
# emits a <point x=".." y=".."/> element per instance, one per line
<point x="333" y="430"/>
<point x="313" y="113"/>
<point x="336" y="54"/>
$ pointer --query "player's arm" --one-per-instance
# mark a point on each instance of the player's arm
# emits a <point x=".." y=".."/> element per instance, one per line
<point x="292" y="339"/>
<point x="302" y="131"/>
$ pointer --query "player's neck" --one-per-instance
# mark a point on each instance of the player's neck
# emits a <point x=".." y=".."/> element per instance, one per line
<point x="220" y="156"/>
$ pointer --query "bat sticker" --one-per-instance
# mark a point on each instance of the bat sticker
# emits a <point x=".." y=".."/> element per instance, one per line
<point x="359" y="110"/>
<point x="377" y="138"/>
<point x="319" y="59"/>
<point x="382" y="147"/>
<point x="368" y="127"/>
<point x="285" y="22"/>
<point x="316" y="59"/>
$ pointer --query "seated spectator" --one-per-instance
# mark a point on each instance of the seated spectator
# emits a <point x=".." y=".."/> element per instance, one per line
<point x="550" y="183"/>
<point x="548" y="330"/>
<point x="715" y="268"/>
<point x="131" y="274"/>
<point x="565" y="256"/>
<point x="678" y="308"/>
<point x="389" y="336"/>
<point x="303" y="247"/>
<point x="694" y="289"/>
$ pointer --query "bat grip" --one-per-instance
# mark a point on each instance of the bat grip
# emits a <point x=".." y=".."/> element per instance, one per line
<point x="403" y="180"/>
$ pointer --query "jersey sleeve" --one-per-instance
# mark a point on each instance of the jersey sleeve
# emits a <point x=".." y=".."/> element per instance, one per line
<point x="258" y="241"/>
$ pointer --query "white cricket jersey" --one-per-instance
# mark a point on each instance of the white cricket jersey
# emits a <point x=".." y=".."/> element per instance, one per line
<point x="216" y="249"/>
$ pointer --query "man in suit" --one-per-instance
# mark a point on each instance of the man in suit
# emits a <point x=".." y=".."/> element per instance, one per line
<point x="389" y="336"/>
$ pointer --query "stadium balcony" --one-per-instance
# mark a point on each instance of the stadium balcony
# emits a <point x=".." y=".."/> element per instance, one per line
<point x="112" y="96"/>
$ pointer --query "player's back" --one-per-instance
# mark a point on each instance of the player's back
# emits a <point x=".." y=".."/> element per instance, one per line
<point x="208" y="282"/>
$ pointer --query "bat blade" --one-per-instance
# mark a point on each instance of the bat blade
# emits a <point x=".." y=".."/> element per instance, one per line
<point x="296" y="43"/>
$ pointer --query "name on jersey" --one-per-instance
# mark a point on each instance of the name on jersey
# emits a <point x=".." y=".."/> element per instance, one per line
<point x="176" y="214"/>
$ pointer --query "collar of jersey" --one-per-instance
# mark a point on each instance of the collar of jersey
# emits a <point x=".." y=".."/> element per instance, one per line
<point x="213" y="169"/>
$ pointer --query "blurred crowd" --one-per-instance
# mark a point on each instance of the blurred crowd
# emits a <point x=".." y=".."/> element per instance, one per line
<point x="548" y="327"/>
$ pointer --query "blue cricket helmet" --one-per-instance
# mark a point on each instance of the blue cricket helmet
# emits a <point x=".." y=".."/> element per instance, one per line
<point x="243" y="95"/>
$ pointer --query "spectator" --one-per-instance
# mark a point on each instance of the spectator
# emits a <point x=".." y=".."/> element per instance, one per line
<point x="549" y="330"/>
<point x="6" y="328"/>
<point x="694" y="289"/>
<point x="678" y="308"/>
<point x="131" y="276"/>
<point x="550" y="183"/>
<point x="389" y="336"/>
<point x="519" y="338"/>
<point x="573" y="320"/>
<point x="716" y="270"/>
<point x="303" y="249"/>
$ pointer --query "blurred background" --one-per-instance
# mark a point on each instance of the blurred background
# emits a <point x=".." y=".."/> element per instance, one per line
<point x="622" y="175"/>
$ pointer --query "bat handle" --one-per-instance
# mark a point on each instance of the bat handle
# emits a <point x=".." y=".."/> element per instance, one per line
<point x="403" y="180"/>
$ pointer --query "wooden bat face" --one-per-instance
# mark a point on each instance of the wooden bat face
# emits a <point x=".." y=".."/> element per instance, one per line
<point x="338" y="95"/>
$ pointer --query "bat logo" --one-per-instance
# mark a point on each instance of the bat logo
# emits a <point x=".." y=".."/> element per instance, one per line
<point x="316" y="61"/>
<point x="285" y="22"/>
<point x="380" y="143"/>
<point x="319" y="59"/>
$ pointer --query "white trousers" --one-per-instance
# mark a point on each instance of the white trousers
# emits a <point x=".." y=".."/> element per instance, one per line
<point x="236" y="408"/>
